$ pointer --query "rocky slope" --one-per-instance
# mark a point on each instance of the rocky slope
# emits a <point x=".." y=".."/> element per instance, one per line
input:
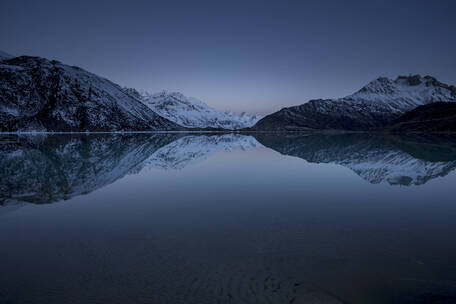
<point x="193" y="113"/>
<point x="37" y="94"/>
<point x="436" y="117"/>
<point x="374" y="106"/>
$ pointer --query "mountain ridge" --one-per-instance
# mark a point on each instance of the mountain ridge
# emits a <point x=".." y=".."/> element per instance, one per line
<point x="37" y="94"/>
<point x="373" y="106"/>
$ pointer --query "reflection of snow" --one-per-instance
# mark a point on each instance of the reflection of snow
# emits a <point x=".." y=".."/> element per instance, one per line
<point x="59" y="167"/>
<point x="192" y="149"/>
<point x="375" y="160"/>
<point x="399" y="168"/>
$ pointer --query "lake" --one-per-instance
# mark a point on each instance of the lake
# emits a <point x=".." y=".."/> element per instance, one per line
<point x="227" y="218"/>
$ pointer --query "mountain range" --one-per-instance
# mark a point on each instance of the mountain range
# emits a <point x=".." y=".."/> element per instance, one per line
<point x="37" y="94"/>
<point x="372" y="107"/>
<point x="193" y="113"/>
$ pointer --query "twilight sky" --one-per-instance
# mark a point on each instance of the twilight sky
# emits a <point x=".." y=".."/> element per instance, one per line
<point x="256" y="56"/>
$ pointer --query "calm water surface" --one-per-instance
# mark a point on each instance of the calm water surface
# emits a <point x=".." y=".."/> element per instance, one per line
<point x="188" y="218"/>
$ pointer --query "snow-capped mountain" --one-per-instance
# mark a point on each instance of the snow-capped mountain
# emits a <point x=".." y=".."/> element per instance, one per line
<point x="37" y="94"/>
<point x="376" y="104"/>
<point x="403" y="94"/>
<point x="193" y="113"/>
<point x="374" y="158"/>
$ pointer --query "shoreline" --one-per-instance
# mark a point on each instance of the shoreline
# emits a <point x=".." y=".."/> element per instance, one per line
<point x="306" y="132"/>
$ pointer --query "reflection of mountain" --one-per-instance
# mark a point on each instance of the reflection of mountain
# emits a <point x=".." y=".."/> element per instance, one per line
<point x="52" y="168"/>
<point x="191" y="149"/>
<point x="45" y="169"/>
<point x="396" y="160"/>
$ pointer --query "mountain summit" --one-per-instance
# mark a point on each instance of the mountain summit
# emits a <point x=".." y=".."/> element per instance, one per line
<point x="404" y="93"/>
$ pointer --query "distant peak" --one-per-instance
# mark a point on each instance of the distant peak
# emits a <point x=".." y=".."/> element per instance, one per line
<point x="165" y="93"/>
<point x="428" y="81"/>
<point x="382" y="79"/>
<point x="381" y="84"/>
<point x="192" y="112"/>
<point x="430" y="78"/>
<point x="411" y="89"/>
<point x="411" y="80"/>
<point x="132" y="92"/>
<point x="387" y="85"/>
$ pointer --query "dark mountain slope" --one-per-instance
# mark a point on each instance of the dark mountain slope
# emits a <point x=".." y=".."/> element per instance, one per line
<point x="42" y="95"/>
<point x="324" y="115"/>
<point x="435" y="117"/>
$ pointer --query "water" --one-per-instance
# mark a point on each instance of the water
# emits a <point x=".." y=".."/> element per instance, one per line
<point x="201" y="218"/>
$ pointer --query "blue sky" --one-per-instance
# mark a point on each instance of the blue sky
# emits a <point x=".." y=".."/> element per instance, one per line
<point x="256" y="56"/>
